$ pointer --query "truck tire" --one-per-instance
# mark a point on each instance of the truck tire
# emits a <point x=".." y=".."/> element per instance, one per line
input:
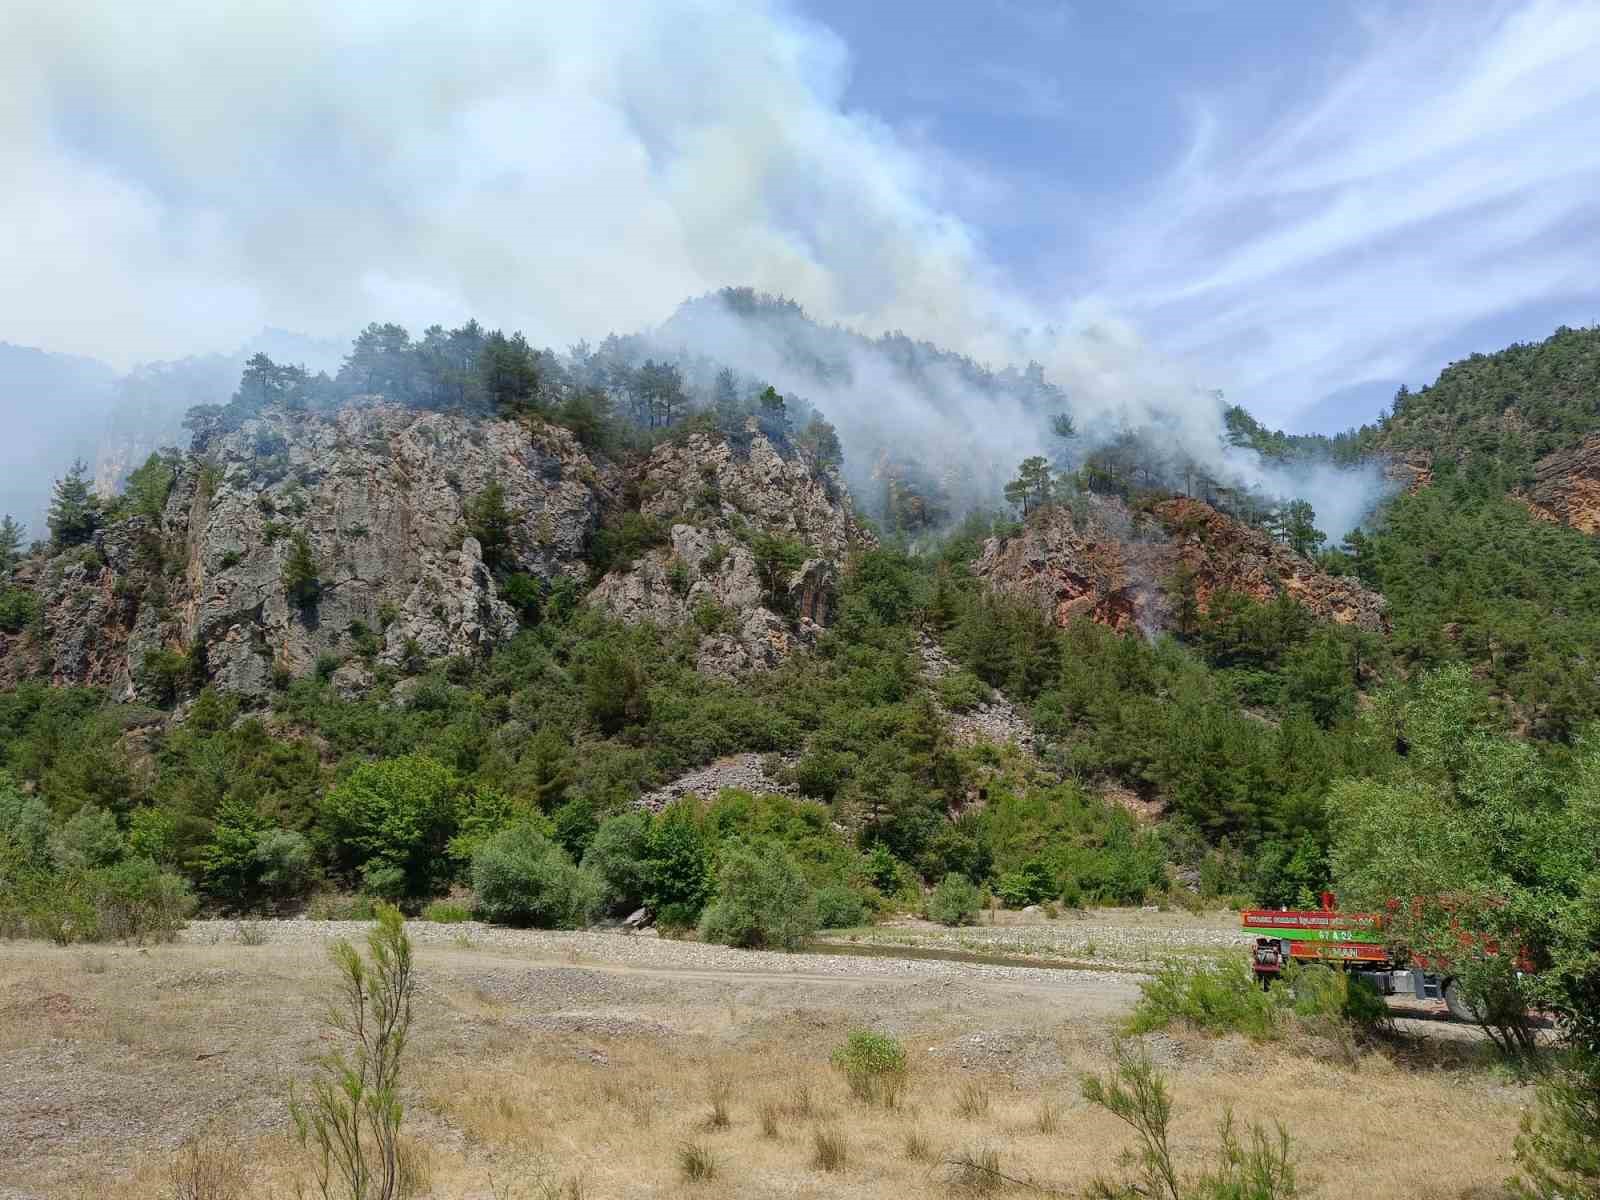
<point x="1458" y="1004"/>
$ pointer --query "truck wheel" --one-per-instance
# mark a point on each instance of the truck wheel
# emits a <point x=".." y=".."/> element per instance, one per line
<point x="1458" y="1004"/>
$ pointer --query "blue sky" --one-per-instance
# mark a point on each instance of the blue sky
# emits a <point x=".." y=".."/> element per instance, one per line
<point x="1300" y="204"/>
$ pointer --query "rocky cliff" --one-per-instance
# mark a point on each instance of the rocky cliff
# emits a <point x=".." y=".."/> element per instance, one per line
<point x="1566" y="486"/>
<point x="757" y="540"/>
<point x="372" y="502"/>
<point x="375" y="493"/>
<point x="1099" y="560"/>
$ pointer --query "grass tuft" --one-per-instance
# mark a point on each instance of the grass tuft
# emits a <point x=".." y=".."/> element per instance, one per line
<point x="1048" y="1119"/>
<point x="874" y="1066"/>
<point x="719" y="1094"/>
<point x="208" y="1167"/>
<point x="829" y="1149"/>
<point x="696" y="1163"/>
<point x="916" y="1146"/>
<point x="770" y="1113"/>
<point x="972" y="1100"/>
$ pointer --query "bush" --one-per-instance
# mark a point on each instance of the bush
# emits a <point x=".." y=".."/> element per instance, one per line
<point x="874" y="1067"/>
<point x="133" y="901"/>
<point x="839" y="907"/>
<point x="617" y="855"/>
<point x="1218" y="997"/>
<point x="762" y="901"/>
<point x="18" y="609"/>
<point x="1137" y="1095"/>
<point x="955" y="901"/>
<point x="961" y="691"/>
<point x="521" y="877"/>
<point x="1030" y="885"/>
<point x="446" y="912"/>
<point x="1558" y="1150"/>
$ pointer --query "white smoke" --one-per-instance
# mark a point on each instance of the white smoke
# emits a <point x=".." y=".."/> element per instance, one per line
<point x="186" y="173"/>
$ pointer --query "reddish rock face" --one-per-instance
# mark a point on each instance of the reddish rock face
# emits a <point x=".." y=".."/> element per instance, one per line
<point x="1113" y="566"/>
<point x="1566" y="486"/>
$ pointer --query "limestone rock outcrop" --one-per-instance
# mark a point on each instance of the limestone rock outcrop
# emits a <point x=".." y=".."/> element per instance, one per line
<point x="375" y="492"/>
<point x="721" y="498"/>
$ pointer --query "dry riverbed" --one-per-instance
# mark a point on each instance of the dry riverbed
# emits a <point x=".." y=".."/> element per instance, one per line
<point x="544" y="1061"/>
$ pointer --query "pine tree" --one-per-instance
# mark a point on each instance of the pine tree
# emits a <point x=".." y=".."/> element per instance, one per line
<point x="300" y="580"/>
<point x="10" y="545"/>
<point x="1033" y="485"/>
<point x="74" y="512"/>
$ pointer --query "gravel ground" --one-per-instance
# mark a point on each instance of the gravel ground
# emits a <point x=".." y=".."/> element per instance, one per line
<point x="1113" y="936"/>
<point x="648" y="952"/>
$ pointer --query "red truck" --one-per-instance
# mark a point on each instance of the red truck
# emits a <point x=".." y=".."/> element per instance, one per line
<point x="1352" y="941"/>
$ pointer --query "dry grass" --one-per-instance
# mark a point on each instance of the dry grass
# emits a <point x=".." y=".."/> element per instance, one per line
<point x="830" y="1149"/>
<point x="972" y="1100"/>
<point x="555" y="1114"/>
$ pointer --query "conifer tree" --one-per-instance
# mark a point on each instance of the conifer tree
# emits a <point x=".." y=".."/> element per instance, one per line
<point x="10" y="545"/>
<point x="74" y="512"/>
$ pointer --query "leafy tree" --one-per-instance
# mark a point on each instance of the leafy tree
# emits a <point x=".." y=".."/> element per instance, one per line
<point x="777" y="558"/>
<point x="1300" y="528"/>
<point x="955" y="901"/>
<point x="74" y="510"/>
<point x="677" y="866"/>
<point x="762" y="901"/>
<point x="521" y="877"/>
<point x="508" y="372"/>
<point x="391" y="822"/>
<point x="614" y="687"/>
<point x="617" y="856"/>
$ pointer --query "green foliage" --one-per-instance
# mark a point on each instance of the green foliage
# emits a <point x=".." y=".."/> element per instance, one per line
<point x="617" y="856"/>
<point x="874" y="1066"/>
<point x="300" y="582"/>
<point x="446" y="912"/>
<point x="762" y="902"/>
<point x="11" y="535"/>
<point x="74" y="509"/>
<point x="350" y="1120"/>
<point x="839" y="907"/>
<point x="521" y="877"/>
<point x="391" y="821"/>
<point x="962" y="691"/>
<point x="619" y="542"/>
<point x="1137" y="1095"/>
<point x="1033" y="486"/>
<point x="1558" y="1148"/>
<point x="1214" y="996"/>
<point x="149" y="485"/>
<point x="677" y="866"/>
<point x="19" y="608"/>
<point x="492" y="523"/>
<point x="955" y="901"/>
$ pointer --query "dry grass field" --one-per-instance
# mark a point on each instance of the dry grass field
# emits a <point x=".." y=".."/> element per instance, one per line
<point x="587" y="1065"/>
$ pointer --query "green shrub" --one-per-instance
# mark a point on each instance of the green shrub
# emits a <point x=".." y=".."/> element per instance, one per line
<point x="1220" y="996"/>
<point x="1030" y="885"/>
<point x="617" y="856"/>
<point x="1137" y="1095"/>
<point x="521" y="877"/>
<point x="839" y="907"/>
<point x="955" y="901"/>
<point x="18" y="609"/>
<point x="1558" y="1149"/>
<point x="874" y="1067"/>
<point x="446" y="912"/>
<point x="762" y="901"/>
<point x="677" y="866"/>
<point x="89" y="838"/>
<point x="962" y="691"/>
<point x="335" y="906"/>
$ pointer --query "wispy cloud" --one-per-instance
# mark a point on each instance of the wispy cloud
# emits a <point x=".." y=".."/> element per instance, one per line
<point x="1445" y="175"/>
